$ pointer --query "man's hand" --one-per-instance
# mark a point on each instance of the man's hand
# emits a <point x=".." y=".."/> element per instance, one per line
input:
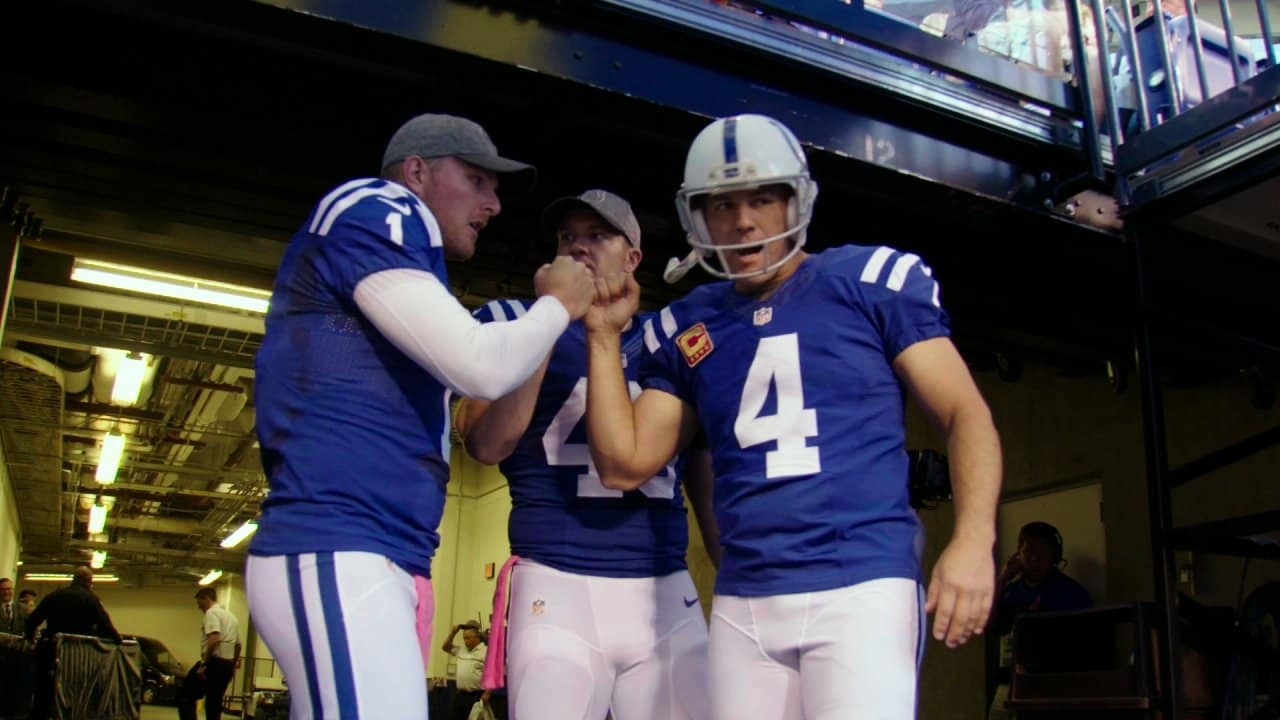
<point x="961" y="591"/>
<point x="567" y="281"/>
<point x="617" y="298"/>
<point x="1012" y="567"/>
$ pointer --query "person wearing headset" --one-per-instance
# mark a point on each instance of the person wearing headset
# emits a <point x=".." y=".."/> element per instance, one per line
<point x="1032" y="581"/>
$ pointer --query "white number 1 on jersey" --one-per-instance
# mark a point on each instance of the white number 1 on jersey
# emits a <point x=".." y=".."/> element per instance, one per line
<point x="559" y="451"/>
<point x="777" y="363"/>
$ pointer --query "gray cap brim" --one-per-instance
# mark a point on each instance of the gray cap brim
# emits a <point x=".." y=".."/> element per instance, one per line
<point x="521" y="176"/>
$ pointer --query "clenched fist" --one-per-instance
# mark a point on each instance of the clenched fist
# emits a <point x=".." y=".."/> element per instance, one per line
<point x="617" y="299"/>
<point x="567" y="281"/>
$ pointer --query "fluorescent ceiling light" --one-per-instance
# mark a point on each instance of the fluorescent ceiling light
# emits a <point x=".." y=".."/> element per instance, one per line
<point x="109" y="460"/>
<point x="248" y="528"/>
<point x="128" y="384"/>
<point x="65" y="577"/>
<point x="178" y="287"/>
<point x="97" y="518"/>
<point x="98" y="560"/>
<point x="210" y="578"/>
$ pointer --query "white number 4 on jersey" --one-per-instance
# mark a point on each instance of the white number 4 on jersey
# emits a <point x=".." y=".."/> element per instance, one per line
<point x="777" y="364"/>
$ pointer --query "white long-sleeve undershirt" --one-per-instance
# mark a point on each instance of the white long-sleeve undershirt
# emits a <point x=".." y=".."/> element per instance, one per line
<point x="414" y="311"/>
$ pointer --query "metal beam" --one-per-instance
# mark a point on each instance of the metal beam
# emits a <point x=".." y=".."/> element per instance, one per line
<point x="135" y="548"/>
<point x="1223" y="457"/>
<point x="162" y="525"/>
<point x="84" y="431"/>
<point x="113" y="411"/>
<point x="629" y="68"/>
<point x="189" y="470"/>
<point x="120" y="488"/>
<point x="202" y="384"/>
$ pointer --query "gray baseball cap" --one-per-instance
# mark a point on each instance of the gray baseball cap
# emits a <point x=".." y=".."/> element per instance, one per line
<point x="615" y="211"/>
<point x="431" y="136"/>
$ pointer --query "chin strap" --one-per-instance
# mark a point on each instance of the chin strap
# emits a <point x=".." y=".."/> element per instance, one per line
<point x="677" y="268"/>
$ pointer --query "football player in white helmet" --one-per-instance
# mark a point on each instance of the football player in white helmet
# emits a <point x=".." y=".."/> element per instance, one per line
<point x="715" y="165"/>
<point x="795" y="371"/>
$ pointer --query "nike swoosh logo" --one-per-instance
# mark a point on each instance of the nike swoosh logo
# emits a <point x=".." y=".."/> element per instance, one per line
<point x="404" y="209"/>
<point x="690" y="603"/>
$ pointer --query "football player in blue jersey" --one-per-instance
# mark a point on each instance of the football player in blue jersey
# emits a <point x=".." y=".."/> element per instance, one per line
<point x="364" y="345"/>
<point x="796" y="369"/>
<point x="603" y="616"/>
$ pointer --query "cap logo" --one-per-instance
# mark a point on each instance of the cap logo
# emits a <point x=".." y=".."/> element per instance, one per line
<point x="695" y="344"/>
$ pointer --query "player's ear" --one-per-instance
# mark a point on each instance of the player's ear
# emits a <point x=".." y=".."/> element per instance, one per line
<point x="634" y="256"/>
<point x="415" y="173"/>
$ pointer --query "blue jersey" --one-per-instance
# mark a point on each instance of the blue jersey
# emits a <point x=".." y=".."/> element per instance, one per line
<point x="804" y="416"/>
<point x="354" y="434"/>
<point x="560" y="513"/>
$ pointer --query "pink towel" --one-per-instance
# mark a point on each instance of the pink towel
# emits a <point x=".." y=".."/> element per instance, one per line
<point x="495" y="661"/>
<point x="423" y="615"/>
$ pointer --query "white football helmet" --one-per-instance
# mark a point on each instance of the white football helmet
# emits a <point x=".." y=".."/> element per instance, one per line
<point x="743" y="152"/>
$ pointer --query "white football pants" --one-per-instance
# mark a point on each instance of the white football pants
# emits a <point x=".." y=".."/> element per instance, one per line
<point x="851" y="653"/>
<point x="342" y="627"/>
<point x="580" y="646"/>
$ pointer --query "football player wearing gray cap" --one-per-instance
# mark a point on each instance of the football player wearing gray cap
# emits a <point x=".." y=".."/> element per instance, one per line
<point x="603" y="616"/>
<point x="364" y="346"/>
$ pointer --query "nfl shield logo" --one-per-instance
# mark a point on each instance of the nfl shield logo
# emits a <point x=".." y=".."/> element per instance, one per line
<point x="762" y="316"/>
<point x="539" y="607"/>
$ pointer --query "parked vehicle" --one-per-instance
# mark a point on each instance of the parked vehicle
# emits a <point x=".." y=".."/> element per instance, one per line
<point x="162" y="674"/>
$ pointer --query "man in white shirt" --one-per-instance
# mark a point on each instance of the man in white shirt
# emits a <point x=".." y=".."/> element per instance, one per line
<point x="219" y="653"/>
<point x="470" y="668"/>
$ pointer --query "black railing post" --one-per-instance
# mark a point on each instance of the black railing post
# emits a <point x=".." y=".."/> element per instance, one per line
<point x="1080" y="69"/>
<point x="1157" y="461"/>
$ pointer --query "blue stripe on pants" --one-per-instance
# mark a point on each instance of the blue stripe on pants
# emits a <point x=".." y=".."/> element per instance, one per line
<point x="304" y="634"/>
<point x="337" y="630"/>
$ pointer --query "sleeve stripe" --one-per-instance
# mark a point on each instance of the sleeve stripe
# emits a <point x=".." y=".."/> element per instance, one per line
<point x="390" y="192"/>
<point x="323" y="208"/>
<point x="668" y="321"/>
<point x="517" y="308"/>
<point x="495" y="309"/>
<point x="650" y="337"/>
<point x="342" y="206"/>
<point x="898" y="275"/>
<point x="871" y="273"/>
